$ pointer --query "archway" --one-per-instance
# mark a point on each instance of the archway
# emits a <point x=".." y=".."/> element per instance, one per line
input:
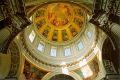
<point x="109" y="54"/>
<point x="62" y="77"/>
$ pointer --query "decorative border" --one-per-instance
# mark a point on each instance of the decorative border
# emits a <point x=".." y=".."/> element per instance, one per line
<point x="15" y="59"/>
<point x="51" y="74"/>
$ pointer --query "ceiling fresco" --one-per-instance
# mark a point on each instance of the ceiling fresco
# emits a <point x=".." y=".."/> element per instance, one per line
<point x="59" y="22"/>
<point x="32" y="73"/>
<point x="90" y="70"/>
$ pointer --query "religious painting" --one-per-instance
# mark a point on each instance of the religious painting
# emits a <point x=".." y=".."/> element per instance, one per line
<point x="59" y="14"/>
<point x="78" y="11"/>
<point x="73" y="31"/>
<point x="90" y="70"/>
<point x="64" y="35"/>
<point x="46" y="31"/>
<point x="40" y="23"/>
<point x="55" y="35"/>
<point x="61" y="17"/>
<point x="32" y="73"/>
<point x="40" y="13"/>
<point x="94" y="65"/>
<point x="78" y="22"/>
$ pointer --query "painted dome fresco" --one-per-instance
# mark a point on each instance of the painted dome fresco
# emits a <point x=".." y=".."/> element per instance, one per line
<point x="59" y="22"/>
<point x="60" y="35"/>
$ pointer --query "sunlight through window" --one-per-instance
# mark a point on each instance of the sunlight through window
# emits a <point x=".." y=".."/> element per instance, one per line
<point x="67" y="52"/>
<point x="41" y="47"/>
<point x="80" y="46"/>
<point x="32" y="36"/>
<point x="53" y="52"/>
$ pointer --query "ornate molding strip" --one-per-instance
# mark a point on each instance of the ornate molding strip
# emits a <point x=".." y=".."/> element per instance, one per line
<point x="15" y="59"/>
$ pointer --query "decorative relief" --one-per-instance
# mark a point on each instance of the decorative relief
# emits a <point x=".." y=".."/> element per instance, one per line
<point x="15" y="59"/>
<point x="109" y="67"/>
<point x="40" y="23"/>
<point x="40" y="13"/>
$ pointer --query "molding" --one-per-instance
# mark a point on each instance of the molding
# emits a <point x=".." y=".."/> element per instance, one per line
<point x="15" y="59"/>
<point x="51" y="74"/>
<point x="29" y="56"/>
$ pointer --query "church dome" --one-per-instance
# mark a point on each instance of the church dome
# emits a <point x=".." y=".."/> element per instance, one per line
<point x="59" y="22"/>
<point x="60" y="35"/>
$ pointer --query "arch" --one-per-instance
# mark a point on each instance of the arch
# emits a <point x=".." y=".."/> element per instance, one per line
<point x="110" y="54"/>
<point x="51" y="74"/>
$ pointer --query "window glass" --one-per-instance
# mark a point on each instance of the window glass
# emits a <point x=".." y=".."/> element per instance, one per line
<point x="80" y="46"/>
<point x="41" y="47"/>
<point x="89" y="34"/>
<point x="67" y="52"/>
<point x="53" y="52"/>
<point x="32" y="36"/>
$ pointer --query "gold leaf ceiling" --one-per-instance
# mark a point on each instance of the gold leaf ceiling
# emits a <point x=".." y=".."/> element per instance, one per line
<point x="59" y="22"/>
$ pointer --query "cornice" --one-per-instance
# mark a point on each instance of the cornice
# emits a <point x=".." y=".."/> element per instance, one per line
<point x="38" y="61"/>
